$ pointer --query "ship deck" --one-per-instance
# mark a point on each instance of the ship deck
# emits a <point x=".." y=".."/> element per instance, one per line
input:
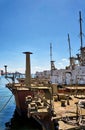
<point x="69" y="111"/>
<point x="19" y="86"/>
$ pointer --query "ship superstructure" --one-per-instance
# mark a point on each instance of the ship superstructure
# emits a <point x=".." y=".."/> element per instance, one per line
<point x="75" y="72"/>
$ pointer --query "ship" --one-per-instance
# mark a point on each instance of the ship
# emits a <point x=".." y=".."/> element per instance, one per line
<point x="71" y="78"/>
<point x="32" y="100"/>
<point x="35" y="97"/>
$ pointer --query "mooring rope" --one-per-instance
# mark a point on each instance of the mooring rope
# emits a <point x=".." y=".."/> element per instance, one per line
<point x="6" y="103"/>
<point x="4" y="96"/>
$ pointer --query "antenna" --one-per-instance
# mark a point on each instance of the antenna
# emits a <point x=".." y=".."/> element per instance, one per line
<point x="80" y="20"/>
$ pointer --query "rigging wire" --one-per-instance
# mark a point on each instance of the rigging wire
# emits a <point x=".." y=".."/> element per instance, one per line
<point x="4" y="96"/>
<point x="6" y="103"/>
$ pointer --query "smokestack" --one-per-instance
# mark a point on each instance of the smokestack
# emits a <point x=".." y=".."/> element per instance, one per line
<point x="28" y="70"/>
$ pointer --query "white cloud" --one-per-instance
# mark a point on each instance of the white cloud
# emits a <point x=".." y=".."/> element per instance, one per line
<point x="62" y="63"/>
<point x="65" y="60"/>
<point x="21" y="70"/>
<point x="39" y="68"/>
<point x="59" y="65"/>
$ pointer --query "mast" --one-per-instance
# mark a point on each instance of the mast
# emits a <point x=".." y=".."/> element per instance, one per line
<point x="51" y="57"/>
<point x="69" y="50"/>
<point x="5" y="71"/>
<point x="28" y="70"/>
<point x="82" y="49"/>
<point x="51" y="61"/>
<point x="80" y="20"/>
<point x="50" y="51"/>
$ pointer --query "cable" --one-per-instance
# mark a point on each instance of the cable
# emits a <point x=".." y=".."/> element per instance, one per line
<point x="6" y="103"/>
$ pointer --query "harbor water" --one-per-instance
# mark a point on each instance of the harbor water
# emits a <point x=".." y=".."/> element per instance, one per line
<point x="8" y="118"/>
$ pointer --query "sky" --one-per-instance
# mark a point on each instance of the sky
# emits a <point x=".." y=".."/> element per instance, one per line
<point x="31" y="25"/>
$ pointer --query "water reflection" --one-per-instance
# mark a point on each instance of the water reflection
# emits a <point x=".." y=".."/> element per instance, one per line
<point x="21" y="123"/>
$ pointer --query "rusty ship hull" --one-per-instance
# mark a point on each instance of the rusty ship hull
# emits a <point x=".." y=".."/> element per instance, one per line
<point x="32" y="100"/>
<point x="42" y="115"/>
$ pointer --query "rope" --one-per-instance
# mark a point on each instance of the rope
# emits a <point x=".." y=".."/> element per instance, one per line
<point x="6" y="103"/>
<point x="4" y="96"/>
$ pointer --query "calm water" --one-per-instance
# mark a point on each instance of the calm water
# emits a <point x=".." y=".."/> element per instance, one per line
<point x="7" y="111"/>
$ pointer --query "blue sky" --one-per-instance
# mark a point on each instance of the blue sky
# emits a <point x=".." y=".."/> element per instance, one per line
<point x="31" y="25"/>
